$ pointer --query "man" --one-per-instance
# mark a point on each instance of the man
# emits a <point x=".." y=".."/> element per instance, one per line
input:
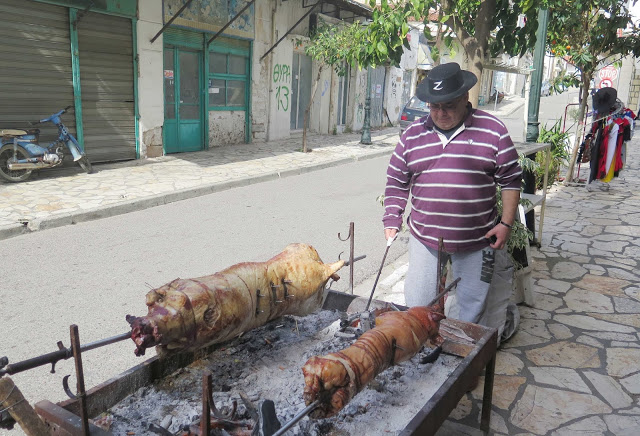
<point x="451" y="162"/>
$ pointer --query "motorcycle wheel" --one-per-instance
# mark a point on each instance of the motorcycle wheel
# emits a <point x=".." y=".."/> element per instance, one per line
<point x="6" y="153"/>
<point x="85" y="164"/>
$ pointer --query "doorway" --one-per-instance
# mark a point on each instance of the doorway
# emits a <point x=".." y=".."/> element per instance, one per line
<point x="343" y="95"/>
<point x="183" y="124"/>
<point x="300" y="89"/>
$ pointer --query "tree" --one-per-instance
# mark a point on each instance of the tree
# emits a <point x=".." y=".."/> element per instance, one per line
<point x="586" y="33"/>
<point x="481" y="27"/>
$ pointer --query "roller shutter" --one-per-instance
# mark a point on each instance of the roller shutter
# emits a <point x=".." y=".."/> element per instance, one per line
<point x="106" y="76"/>
<point x="35" y="77"/>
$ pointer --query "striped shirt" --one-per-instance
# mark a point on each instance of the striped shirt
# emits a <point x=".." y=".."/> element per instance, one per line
<point x="452" y="182"/>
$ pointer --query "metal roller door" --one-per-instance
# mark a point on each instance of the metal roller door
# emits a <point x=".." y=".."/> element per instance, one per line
<point x="106" y="76"/>
<point x="36" y="78"/>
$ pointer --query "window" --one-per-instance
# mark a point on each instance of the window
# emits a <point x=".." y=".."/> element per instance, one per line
<point x="228" y="75"/>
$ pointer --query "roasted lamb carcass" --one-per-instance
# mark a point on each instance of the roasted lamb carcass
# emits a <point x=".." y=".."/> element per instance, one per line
<point x="187" y="314"/>
<point x="336" y="378"/>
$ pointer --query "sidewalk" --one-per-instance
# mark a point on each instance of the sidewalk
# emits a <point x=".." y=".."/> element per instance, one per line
<point x="573" y="367"/>
<point x="59" y="197"/>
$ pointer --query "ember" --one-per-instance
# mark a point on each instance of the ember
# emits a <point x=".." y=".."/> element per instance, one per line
<point x="265" y="364"/>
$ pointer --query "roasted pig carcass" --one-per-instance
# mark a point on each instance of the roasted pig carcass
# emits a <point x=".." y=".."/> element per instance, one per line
<point x="336" y="378"/>
<point x="187" y="314"/>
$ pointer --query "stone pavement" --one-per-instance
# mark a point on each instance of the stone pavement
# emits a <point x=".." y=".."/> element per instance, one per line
<point x="573" y="367"/>
<point x="63" y="196"/>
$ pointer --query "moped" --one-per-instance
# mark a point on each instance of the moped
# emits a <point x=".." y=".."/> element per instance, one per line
<point x="21" y="153"/>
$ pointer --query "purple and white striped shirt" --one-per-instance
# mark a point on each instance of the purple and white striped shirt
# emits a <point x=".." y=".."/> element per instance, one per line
<point x="452" y="184"/>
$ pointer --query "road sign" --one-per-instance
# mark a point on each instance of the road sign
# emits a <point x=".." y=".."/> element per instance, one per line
<point x="606" y="83"/>
<point x="609" y="72"/>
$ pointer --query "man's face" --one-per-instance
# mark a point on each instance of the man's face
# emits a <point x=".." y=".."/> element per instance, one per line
<point x="448" y="114"/>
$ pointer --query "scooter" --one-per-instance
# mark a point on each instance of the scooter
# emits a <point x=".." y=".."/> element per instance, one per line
<point x="20" y="152"/>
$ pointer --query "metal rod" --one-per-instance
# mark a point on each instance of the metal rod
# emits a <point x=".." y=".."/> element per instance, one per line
<point x="184" y="6"/>
<point x="289" y="31"/>
<point x="351" y="249"/>
<point x="77" y="356"/>
<point x="205" y="420"/>
<point x="347" y="263"/>
<point x="447" y="289"/>
<point x="230" y="22"/>
<point x="304" y="412"/>
<point x="55" y="356"/>
<point x="389" y="242"/>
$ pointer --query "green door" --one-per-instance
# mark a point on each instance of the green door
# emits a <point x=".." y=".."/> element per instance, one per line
<point x="183" y="126"/>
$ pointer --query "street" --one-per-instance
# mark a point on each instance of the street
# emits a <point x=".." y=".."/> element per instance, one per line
<point x="93" y="274"/>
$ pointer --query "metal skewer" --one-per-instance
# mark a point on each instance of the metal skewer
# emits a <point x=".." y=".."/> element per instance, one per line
<point x="389" y="242"/>
<point x="301" y="414"/>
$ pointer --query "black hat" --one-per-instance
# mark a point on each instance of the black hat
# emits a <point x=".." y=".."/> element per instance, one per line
<point x="445" y="82"/>
<point x="604" y="99"/>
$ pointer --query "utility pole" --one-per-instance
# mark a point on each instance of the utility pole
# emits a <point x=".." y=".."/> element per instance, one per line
<point x="536" y="76"/>
<point x="366" y="125"/>
<point x="534" y="107"/>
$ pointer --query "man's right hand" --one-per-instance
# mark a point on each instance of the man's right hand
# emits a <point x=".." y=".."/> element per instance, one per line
<point x="390" y="233"/>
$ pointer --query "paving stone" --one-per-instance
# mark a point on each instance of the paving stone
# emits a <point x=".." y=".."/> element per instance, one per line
<point x="572" y="247"/>
<point x="591" y="323"/>
<point x="632" y="384"/>
<point x="548" y="303"/>
<point x="595" y="270"/>
<point x="608" y="336"/>
<point x="541" y="410"/>
<point x="560" y="331"/>
<point x="497" y="423"/>
<point x="450" y="428"/>
<point x="622" y="274"/>
<point x="567" y="270"/>
<point x="623" y="425"/>
<point x="610" y="390"/>
<point x="555" y="285"/>
<point x="592" y="426"/>
<point x="565" y="378"/>
<point x="626" y="305"/>
<point x="622" y="361"/>
<point x="591" y="231"/>
<point x="505" y="389"/>
<point x="623" y="230"/>
<point x="508" y="364"/>
<point x="602" y="285"/>
<point x="588" y="340"/>
<point x="523" y="339"/>
<point x="633" y="292"/>
<point x="565" y="354"/>
<point x="580" y="300"/>
<point x="625" y="344"/>
<point x="629" y="320"/>
<point x="618" y="262"/>
<point x="463" y="409"/>
<point x="536" y="327"/>
<point x="531" y="313"/>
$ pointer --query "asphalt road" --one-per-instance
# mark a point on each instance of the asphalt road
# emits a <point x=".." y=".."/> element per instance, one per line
<point x="93" y="274"/>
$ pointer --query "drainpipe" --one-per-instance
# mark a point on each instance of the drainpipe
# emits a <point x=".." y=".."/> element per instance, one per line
<point x="270" y="70"/>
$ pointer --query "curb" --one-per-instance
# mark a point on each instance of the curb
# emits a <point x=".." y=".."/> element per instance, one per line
<point x="106" y="211"/>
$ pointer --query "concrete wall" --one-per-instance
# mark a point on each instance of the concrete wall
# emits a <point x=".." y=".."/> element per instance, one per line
<point x="226" y="127"/>
<point x="150" y="80"/>
<point x="357" y="96"/>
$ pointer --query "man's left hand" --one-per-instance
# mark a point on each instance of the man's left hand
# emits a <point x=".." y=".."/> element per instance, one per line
<point x="501" y="234"/>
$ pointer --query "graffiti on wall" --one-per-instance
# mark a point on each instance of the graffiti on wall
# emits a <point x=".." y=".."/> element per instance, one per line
<point x="282" y="79"/>
<point x="325" y="87"/>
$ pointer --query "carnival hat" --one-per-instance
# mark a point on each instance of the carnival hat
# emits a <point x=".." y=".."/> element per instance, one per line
<point x="604" y="99"/>
<point x="445" y="82"/>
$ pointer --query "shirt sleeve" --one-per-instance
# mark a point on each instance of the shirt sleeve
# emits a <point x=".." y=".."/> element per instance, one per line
<point x="396" y="193"/>
<point x="508" y="173"/>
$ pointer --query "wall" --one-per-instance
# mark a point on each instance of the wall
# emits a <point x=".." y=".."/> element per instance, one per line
<point x="357" y="95"/>
<point x="271" y="78"/>
<point x="226" y="127"/>
<point x="150" y="81"/>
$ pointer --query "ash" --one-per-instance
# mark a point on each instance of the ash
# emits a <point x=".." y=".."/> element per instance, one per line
<point x="266" y="364"/>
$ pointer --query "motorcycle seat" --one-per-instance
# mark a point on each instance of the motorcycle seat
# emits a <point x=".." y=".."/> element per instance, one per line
<point x="12" y="132"/>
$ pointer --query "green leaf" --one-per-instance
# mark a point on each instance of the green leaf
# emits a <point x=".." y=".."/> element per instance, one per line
<point x="382" y="47"/>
